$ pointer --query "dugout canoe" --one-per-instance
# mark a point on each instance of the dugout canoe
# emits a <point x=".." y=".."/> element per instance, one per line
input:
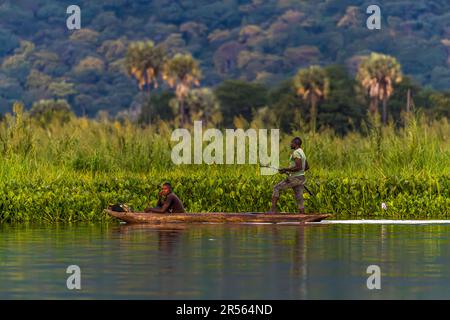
<point x="215" y="217"/>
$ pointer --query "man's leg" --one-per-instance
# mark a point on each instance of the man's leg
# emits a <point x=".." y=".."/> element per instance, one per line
<point x="274" y="204"/>
<point x="276" y="193"/>
<point x="298" y="190"/>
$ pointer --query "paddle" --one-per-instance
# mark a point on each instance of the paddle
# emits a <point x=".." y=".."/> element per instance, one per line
<point x="306" y="188"/>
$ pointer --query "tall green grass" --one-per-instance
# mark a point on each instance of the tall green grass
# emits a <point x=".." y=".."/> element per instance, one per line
<point x="71" y="172"/>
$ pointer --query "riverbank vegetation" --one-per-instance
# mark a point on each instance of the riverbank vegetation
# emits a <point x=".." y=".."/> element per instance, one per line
<point x="94" y="109"/>
<point x="72" y="168"/>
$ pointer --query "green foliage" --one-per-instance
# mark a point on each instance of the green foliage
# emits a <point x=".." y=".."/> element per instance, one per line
<point x="312" y="85"/>
<point x="61" y="89"/>
<point x="204" y="106"/>
<point x="78" y="165"/>
<point x="16" y="137"/>
<point x="341" y="110"/>
<point x="289" y="109"/>
<point x="9" y="41"/>
<point x="263" y="41"/>
<point x="441" y="103"/>
<point x="45" y="112"/>
<point x="240" y="98"/>
<point x="158" y="108"/>
<point x="82" y="166"/>
<point x="377" y="75"/>
<point x="182" y="71"/>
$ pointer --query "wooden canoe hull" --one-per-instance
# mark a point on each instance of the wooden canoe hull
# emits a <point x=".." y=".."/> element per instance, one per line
<point x="215" y="217"/>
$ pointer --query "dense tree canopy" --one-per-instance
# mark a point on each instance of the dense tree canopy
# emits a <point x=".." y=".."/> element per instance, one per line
<point x="250" y="47"/>
<point x="240" y="98"/>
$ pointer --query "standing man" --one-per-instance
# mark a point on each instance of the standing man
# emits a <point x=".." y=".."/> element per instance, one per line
<point x="296" y="179"/>
<point x="168" y="202"/>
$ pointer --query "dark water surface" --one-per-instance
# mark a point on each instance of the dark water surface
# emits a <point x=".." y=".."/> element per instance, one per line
<point x="225" y="261"/>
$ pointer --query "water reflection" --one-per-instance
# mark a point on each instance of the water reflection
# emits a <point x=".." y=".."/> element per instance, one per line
<point x="225" y="261"/>
<point x="168" y="235"/>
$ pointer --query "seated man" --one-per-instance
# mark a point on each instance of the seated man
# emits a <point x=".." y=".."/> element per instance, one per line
<point x="168" y="202"/>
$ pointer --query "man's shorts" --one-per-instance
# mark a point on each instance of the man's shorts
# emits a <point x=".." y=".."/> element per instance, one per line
<point x="295" y="182"/>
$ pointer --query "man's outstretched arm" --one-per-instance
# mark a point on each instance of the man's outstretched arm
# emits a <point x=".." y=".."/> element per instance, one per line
<point x="163" y="209"/>
<point x="298" y="166"/>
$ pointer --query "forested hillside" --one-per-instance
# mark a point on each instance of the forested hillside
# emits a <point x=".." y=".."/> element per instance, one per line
<point x="262" y="41"/>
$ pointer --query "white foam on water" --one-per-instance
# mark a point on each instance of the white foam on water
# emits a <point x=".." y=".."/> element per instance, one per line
<point x="256" y="223"/>
<point x="362" y="221"/>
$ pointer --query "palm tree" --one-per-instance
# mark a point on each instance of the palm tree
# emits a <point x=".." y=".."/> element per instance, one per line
<point x="182" y="72"/>
<point x="312" y="84"/>
<point x="144" y="61"/>
<point x="377" y="73"/>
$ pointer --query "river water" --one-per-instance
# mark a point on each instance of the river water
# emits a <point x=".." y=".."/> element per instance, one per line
<point x="317" y="261"/>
